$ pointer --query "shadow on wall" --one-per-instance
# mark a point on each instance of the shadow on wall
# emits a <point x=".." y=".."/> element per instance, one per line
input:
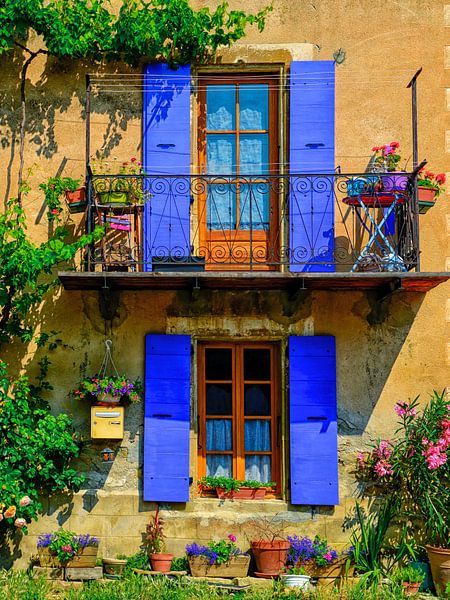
<point x="48" y="100"/>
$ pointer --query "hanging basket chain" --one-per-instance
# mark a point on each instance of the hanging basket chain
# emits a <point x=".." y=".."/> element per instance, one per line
<point x="107" y="360"/>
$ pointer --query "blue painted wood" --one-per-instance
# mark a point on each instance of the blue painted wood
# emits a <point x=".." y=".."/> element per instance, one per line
<point x="313" y="420"/>
<point x="166" y="151"/>
<point x="166" y="420"/>
<point x="312" y="151"/>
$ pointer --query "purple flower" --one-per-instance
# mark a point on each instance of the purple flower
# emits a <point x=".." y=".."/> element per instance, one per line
<point x="44" y="540"/>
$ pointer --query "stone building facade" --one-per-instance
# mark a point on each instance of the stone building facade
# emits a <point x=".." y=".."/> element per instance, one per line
<point x="391" y="342"/>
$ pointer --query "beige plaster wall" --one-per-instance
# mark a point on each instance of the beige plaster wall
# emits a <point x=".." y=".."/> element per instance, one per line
<point x="386" y="351"/>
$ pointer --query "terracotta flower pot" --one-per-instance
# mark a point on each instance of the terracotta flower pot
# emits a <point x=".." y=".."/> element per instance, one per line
<point x="426" y="198"/>
<point x="244" y="493"/>
<point x="438" y="556"/>
<point x="411" y="589"/>
<point x="76" y="201"/>
<point x="161" y="562"/>
<point x="270" y="557"/>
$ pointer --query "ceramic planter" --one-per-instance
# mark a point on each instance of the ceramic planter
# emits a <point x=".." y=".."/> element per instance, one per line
<point x="244" y="493"/>
<point x="76" y="200"/>
<point x="426" y="198"/>
<point x="87" y="557"/>
<point x="299" y="581"/>
<point x="270" y="557"/>
<point x="235" y="567"/>
<point x="362" y="185"/>
<point x="437" y="557"/>
<point x="161" y="562"/>
<point x="394" y="182"/>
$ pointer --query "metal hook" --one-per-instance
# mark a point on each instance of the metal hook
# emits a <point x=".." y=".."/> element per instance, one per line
<point x="108" y="344"/>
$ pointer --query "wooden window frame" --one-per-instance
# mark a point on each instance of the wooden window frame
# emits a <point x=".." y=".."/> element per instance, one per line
<point x="271" y="235"/>
<point x="238" y="419"/>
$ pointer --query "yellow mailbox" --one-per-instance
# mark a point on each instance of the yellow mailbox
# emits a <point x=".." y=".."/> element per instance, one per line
<point x="107" y="423"/>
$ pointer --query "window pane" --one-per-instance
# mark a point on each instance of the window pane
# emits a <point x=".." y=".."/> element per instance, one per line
<point x="218" y="466"/>
<point x="218" y="364"/>
<point x="221" y="154"/>
<point x="218" y="399"/>
<point x="257" y="436"/>
<point x="258" y="468"/>
<point x="254" y="154"/>
<point x="254" y="207"/>
<point x="254" y="106"/>
<point x="257" y="400"/>
<point x="257" y="365"/>
<point x="221" y="207"/>
<point x="218" y="434"/>
<point x="221" y="107"/>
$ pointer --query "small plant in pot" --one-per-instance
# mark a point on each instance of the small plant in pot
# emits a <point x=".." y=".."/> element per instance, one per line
<point x="315" y="556"/>
<point x="229" y="488"/>
<point x="155" y="537"/>
<point x="410" y="578"/>
<point x="56" y="188"/>
<point x="387" y="159"/>
<point x="297" y="577"/>
<point x="268" y="545"/>
<point x="429" y="187"/>
<point x="218" y="559"/>
<point x="66" y="548"/>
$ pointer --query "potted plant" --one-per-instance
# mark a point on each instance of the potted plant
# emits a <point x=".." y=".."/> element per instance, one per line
<point x="107" y="390"/>
<point x="297" y="577"/>
<point x="387" y="159"/>
<point x="58" y="187"/>
<point x="234" y="489"/>
<point x="118" y="183"/>
<point x="415" y="472"/>
<point x="429" y="187"/>
<point x="160" y="561"/>
<point x="410" y="578"/>
<point x="218" y="559"/>
<point x="66" y="548"/>
<point x="315" y="556"/>
<point x="269" y="546"/>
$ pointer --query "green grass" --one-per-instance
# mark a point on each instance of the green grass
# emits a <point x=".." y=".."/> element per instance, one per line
<point x="17" y="585"/>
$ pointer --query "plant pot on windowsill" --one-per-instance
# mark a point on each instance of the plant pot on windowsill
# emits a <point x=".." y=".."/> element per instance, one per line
<point x="237" y="566"/>
<point x="244" y="493"/>
<point x="76" y="200"/>
<point x="161" y="562"/>
<point x="426" y="197"/>
<point x="270" y="556"/>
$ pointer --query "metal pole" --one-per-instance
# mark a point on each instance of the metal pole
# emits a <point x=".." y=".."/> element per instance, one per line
<point x="415" y="140"/>
<point x="89" y="226"/>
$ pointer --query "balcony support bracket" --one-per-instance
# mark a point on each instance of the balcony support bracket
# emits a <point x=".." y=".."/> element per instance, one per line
<point x="385" y="291"/>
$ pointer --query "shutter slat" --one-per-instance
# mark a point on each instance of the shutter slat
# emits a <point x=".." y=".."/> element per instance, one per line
<point x="313" y="420"/>
<point x="166" y="422"/>
<point x="166" y="151"/>
<point x="311" y="228"/>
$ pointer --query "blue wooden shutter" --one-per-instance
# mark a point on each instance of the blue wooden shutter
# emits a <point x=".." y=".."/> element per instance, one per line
<point x="313" y="420"/>
<point x="166" y="418"/>
<point x="311" y="207"/>
<point x="166" y="151"/>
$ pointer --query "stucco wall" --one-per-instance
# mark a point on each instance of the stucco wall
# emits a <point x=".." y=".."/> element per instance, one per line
<point x="386" y="351"/>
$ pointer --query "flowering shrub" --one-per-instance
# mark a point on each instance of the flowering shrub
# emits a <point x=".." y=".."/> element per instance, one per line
<point x="415" y="466"/>
<point x="387" y="156"/>
<point x="428" y="179"/>
<point x="66" y="544"/>
<point x="216" y="553"/>
<point x="117" y="386"/>
<point x="304" y="550"/>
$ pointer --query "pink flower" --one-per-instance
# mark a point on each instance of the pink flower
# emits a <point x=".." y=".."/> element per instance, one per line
<point x="328" y="557"/>
<point x="425" y="442"/>
<point x="361" y="458"/>
<point x="403" y="410"/>
<point x="384" y="449"/>
<point x="25" y="501"/>
<point x="383" y="468"/>
<point x="67" y="548"/>
<point x="388" y="151"/>
<point x="10" y="512"/>
<point x="54" y="211"/>
<point x="1" y="516"/>
<point x="19" y="523"/>
<point x="232" y="538"/>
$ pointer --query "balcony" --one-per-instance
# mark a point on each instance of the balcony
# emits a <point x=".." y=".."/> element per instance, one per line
<point x="323" y="231"/>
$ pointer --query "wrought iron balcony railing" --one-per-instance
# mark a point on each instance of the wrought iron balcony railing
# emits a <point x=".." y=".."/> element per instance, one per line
<point x="325" y="222"/>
